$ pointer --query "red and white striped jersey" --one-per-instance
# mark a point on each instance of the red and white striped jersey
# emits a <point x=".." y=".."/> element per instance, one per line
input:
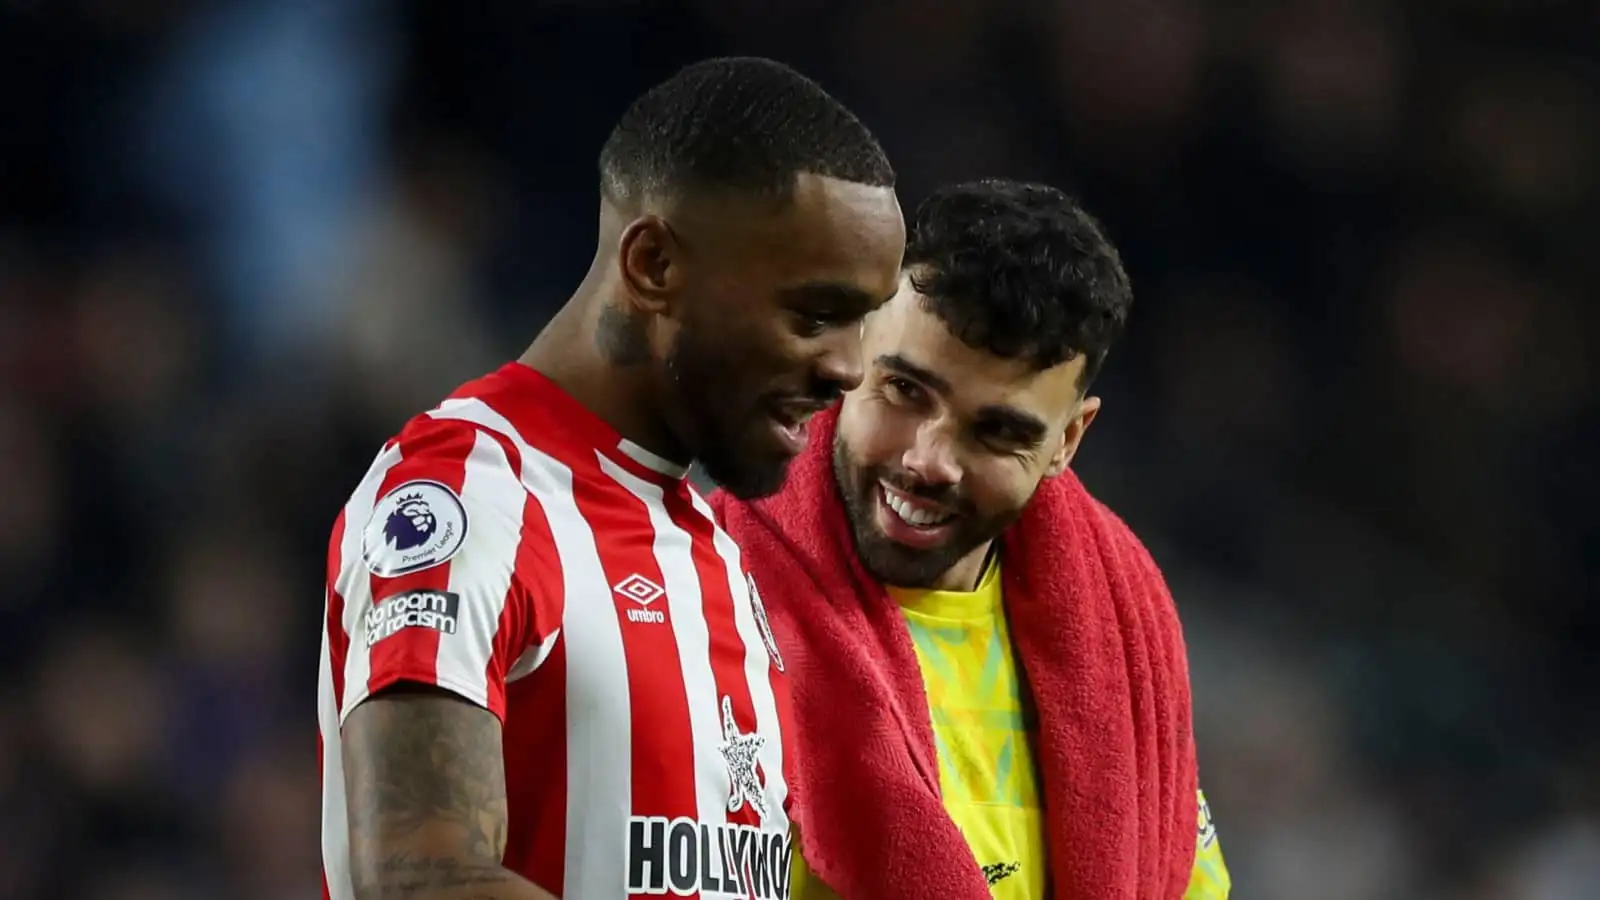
<point x="510" y="547"/>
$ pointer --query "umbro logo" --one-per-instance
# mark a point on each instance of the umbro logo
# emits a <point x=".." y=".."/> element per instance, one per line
<point x="639" y="589"/>
<point x="644" y="592"/>
<point x="998" y="872"/>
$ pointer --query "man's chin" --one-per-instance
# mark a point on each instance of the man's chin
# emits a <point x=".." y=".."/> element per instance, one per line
<point x="894" y="564"/>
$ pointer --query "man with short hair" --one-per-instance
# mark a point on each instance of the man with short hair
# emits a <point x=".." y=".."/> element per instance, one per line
<point x="543" y="672"/>
<point x="988" y="672"/>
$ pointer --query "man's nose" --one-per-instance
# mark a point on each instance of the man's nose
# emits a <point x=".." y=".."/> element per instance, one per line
<point x="932" y="457"/>
<point x="840" y="362"/>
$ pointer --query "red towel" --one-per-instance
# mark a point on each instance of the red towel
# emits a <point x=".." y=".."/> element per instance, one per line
<point x="1098" y="639"/>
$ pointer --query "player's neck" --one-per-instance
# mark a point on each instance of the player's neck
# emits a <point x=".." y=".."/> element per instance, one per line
<point x="622" y="396"/>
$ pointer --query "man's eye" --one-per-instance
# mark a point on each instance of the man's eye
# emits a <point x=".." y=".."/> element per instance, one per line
<point x="1005" y="439"/>
<point x="811" y="326"/>
<point x="901" y="389"/>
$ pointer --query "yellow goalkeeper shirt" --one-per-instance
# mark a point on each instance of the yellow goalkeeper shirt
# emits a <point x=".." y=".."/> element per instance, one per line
<point x="983" y="736"/>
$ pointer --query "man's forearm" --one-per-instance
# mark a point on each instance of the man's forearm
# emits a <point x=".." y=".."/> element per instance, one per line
<point x="411" y="877"/>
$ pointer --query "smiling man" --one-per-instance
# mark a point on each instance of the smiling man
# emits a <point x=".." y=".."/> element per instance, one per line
<point x="989" y="676"/>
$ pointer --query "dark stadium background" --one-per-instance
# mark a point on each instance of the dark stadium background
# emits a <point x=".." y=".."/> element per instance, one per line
<point x="1355" y="416"/>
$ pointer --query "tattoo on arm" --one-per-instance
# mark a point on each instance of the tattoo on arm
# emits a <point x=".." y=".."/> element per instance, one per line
<point x="427" y="798"/>
<point x="621" y="339"/>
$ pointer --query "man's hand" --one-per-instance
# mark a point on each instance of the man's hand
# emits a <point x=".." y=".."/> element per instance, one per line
<point x="427" y="800"/>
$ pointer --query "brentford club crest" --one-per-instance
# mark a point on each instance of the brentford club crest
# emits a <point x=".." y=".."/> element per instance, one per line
<point x="742" y="753"/>
<point x="760" y="610"/>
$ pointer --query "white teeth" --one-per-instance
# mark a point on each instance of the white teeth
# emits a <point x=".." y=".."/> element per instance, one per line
<point x="910" y="514"/>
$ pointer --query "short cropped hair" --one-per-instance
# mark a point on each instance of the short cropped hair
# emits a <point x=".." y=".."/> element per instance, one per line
<point x="739" y="123"/>
<point x="1021" y="271"/>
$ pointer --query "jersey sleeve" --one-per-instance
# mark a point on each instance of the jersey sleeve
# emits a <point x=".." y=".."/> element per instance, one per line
<point x="444" y="578"/>
<point x="1210" y="880"/>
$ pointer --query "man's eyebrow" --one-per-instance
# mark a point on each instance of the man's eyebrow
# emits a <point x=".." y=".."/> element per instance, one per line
<point x="894" y="362"/>
<point x="1024" y="426"/>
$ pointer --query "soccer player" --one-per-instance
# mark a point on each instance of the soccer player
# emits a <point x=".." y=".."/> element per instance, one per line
<point x="987" y="669"/>
<point x="543" y="672"/>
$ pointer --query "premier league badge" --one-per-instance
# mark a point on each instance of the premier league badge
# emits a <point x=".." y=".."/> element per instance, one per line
<point x="416" y="526"/>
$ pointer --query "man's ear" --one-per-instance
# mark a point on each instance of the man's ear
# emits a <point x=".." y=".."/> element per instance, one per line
<point x="650" y="262"/>
<point x="1088" y="408"/>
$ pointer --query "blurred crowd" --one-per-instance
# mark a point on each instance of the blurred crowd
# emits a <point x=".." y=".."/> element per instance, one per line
<point x="241" y="241"/>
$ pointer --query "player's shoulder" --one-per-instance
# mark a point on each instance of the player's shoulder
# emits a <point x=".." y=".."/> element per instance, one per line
<point x="442" y="448"/>
<point x="438" y="486"/>
<point x="486" y="414"/>
<point x="521" y="416"/>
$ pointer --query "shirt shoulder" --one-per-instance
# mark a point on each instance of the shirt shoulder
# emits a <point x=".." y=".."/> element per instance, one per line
<point x="437" y="487"/>
<point x="458" y="493"/>
<point x="444" y="566"/>
<point x="533" y="419"/>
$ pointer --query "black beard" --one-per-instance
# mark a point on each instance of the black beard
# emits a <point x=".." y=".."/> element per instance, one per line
<point x="714" y="431"/>
<point x="895" y="564"/>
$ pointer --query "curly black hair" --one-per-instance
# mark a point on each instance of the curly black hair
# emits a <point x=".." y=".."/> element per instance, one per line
<point x="1019" y="270"/>
<point x="742" y="123"/>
